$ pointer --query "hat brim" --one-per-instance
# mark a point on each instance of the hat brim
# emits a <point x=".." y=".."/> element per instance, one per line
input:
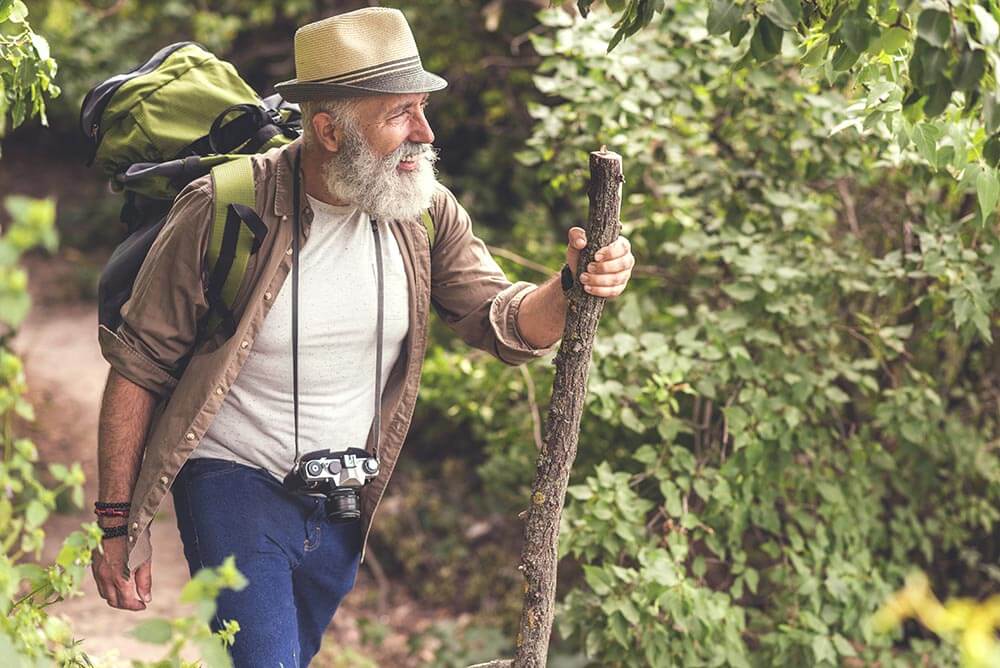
<point x="399" y="83"/>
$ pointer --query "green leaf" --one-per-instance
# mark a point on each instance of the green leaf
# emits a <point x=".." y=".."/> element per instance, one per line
<point x="989" y="31"/>
<point x="934" y="27"/>
<point x="41" y="46"/>
<point x="629" y="419"/>
<point x="213" y="653"/>
<point x="938" y="98"/>
<point x="991" y="151"/>
<point x="817" y="52"/>
<point x="928" y="66"/>
<point x="844" y="648"/>
<point x="766" y="41"/>
<point x="991" y="112"/>
<point x="35" y="514"/>
<point x="894" y="39"/>
<point x="925" y="137"/>
<point x="739" y="32"/>
<point x="18" y="12"/>
<point x="154" y="631"/>
<point x="987" y="191"/>
<point x="784" y="13"/>
<point x="823" y="650"/>
<point x="646" y="454"/>
<point x="969" y="69"/>
<point x="845" y="58"/>
<point x="741" y="292"/>
<point x="723" y="16"/>
<point x="856" y="33"/>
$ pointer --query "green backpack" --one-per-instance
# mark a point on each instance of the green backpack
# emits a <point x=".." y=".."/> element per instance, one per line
<point x="180" y="115"/>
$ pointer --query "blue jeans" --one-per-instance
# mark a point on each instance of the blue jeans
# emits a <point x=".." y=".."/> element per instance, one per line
<point x="299" y="564"/>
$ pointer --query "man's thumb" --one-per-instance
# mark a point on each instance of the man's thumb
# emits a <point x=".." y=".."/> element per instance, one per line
<point x="144" y="581"/>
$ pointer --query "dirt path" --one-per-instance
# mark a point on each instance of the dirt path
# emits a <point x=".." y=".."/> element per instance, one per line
<point x="66" y="376"/>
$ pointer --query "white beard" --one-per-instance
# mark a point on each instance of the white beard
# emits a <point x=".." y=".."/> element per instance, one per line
<point x="356" y="175"/>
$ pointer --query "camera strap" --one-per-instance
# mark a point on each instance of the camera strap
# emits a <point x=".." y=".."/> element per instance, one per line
<point x="379" y="321"/>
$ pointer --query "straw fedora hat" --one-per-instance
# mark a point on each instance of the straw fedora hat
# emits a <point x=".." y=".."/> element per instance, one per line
<point x="365" y="52"/>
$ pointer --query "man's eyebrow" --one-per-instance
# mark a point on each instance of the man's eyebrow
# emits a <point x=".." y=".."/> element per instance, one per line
<point x="406" y="105"/>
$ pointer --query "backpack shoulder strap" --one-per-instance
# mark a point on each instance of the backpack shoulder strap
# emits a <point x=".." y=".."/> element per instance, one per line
<point x="237" y="232"/>
<point x="429" y="226"/>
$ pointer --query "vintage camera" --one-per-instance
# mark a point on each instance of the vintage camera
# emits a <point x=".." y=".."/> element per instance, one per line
<point x="337" y="474"/>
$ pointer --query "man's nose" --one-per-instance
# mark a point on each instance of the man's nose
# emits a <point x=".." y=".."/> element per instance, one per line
<point x="420" y="131"/>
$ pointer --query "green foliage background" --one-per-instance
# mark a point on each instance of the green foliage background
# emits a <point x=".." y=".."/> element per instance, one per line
<point x="794" y="404"/>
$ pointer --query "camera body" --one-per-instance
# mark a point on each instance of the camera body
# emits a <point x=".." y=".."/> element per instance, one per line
<point x="337" y="474"/>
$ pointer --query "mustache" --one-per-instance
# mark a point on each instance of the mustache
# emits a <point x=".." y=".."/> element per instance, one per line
<point x="427" y="151"/>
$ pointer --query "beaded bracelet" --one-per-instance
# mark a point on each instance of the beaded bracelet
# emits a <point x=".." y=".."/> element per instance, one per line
<point x="112" y="512"/>
<point x="115" y="532"/>
<point x="102" y="505"/>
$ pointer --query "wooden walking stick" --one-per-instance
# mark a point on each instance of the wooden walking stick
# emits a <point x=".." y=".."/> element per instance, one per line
<point x="539" y="556"/>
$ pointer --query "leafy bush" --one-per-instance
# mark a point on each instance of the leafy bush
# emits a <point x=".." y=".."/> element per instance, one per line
<point x="791" y="404"/>
<point x="29" y="635"/>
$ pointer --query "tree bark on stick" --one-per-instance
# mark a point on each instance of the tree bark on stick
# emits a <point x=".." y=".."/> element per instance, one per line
<point x="539" y="557"/>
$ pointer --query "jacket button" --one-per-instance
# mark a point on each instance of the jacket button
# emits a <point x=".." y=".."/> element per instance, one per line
<point x="220" y="391"/>
<point x="267" y="296"/>
<point x="164" y="479"/>
<point x="245" y="345"/>
<point x="289" y="251"/>
<point x="131" y="539"/>
<point x="189" y="436"/>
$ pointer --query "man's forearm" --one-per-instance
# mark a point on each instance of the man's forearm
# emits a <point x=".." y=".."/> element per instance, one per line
<point x="542" y="316"/>
<point x="126" y="411"/>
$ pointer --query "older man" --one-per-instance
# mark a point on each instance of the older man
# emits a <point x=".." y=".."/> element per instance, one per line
<point x="328" y="363"/>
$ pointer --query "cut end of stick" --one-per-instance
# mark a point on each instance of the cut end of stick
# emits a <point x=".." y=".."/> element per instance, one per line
<point x="605" y="154"/>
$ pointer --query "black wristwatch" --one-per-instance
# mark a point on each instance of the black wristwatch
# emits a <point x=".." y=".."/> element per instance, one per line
<point x="566" y="278"/>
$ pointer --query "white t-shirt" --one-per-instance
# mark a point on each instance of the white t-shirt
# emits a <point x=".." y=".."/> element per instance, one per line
<point x="337" y="316"/>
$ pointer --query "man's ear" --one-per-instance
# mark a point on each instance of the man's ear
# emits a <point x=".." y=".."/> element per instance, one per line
<point x="326" y="132"/>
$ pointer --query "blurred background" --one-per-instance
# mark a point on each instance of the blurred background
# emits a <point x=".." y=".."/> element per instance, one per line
<point x="793" y="406"/>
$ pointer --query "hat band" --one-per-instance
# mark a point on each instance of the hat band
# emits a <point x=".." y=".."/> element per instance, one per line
<point x="366" y="73"/>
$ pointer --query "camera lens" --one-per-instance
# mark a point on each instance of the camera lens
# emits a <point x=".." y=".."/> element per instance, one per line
<point x="342" y="505"/>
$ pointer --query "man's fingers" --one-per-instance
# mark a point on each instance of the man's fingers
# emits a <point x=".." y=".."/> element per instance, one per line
<point x="111" y="595"/>
<point x="618" y="248"/>
<point x="623" y="263"/>
<point x="577" y="237"/>
<point x="144" y="581"/>
<point x="599" y="291"/>
<point x="126" y="596"/>
<point x="605" y="280"/>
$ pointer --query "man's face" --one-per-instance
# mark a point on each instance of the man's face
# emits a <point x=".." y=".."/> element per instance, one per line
<point x="386" y="121"/>
<point x="384" y="158"/>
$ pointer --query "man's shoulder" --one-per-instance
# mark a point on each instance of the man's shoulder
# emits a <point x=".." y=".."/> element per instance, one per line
<point x="445" y="207"/>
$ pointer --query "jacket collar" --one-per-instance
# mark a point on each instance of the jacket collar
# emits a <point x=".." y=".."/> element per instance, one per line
<point x="284" y="179"/>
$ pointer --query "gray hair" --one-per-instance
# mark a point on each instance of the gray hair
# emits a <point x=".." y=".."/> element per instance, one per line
<point x="343" y="112"/>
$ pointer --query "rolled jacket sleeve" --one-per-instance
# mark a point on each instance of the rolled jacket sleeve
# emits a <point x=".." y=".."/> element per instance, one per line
<point x="469" y="289"/>
<point x="160" y="319"/>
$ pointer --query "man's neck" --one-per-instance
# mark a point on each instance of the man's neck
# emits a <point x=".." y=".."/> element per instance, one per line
<point x="313" y="161"/>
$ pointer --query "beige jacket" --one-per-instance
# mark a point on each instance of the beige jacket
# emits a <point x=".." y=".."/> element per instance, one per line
<point x="154" y="346"/>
